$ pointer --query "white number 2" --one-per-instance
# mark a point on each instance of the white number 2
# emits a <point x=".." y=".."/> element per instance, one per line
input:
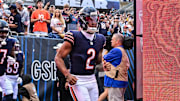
<point x="91" y="52"/>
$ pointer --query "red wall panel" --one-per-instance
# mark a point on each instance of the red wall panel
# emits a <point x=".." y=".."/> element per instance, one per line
<point x="161" y="50"/>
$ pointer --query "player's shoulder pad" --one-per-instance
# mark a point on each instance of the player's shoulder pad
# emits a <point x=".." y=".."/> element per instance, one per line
<point x="12" y="39"/>
<point x="69" y="37"/>
<point x="100" y="36"/>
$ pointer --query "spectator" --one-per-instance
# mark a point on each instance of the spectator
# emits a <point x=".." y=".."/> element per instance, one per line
<point x="28" y="90"/>
<point x="30" y="10"/>
<point x="116" y="64"/>
<point x="51" y="11"/>
<point x="40" y="17"/>
<point x="131" y="26"/>
<point x="115" y="27"/>
<point x="125" y="31"/>
<point x="15" y="20"/>
<point x="24" y="16"/>
<point x="103" y="25"/>
<point x="4" y="12"/>
<point x="57" y="25"/>
<point x="74" y="22"/>
<point x="67" y="16"/>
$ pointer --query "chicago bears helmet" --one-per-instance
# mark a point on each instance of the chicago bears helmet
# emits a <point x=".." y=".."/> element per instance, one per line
<point x="4" y="29"/>
<point x="88" y="19"/>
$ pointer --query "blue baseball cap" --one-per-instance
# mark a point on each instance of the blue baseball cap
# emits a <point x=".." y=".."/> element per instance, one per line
<point x="13" y="6"/>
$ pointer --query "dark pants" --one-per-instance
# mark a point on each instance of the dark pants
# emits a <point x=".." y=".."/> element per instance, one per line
<point x="100" y="82"/>
<point x="64" y="94"/>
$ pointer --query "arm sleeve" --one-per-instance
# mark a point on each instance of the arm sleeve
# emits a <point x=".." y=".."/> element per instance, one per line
<point x="25" y="16"/>
<point x="69" y="37"/>
<point x="114" y="56"/>
<point x="16" y="19"/>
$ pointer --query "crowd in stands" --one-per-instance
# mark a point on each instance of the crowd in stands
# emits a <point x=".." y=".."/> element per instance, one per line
<point x="47" y="20"/>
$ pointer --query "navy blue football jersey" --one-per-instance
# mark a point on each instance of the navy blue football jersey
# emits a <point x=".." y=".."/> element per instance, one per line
<point x="16" y="68"/>
<point x="5" y="51"/>
<point x="84" y="52"/>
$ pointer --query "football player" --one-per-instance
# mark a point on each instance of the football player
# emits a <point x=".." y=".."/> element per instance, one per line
<point x="85" y="49"/>
<point x="6" y="56"/>
<point x="14" y="70"/>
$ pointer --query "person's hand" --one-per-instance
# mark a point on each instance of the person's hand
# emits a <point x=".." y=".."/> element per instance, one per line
<point x="19" y="80"/>
<point x="106" y="66"/>
<point x="71" y="79"/>
<point x="66" y="85"/>
<point x="62" y="36"/>
<point x="60" y="32"/>
<point x="57" y="84"/>
<point x="48" y="3"/>
<point x="44" y="20"/>
<point x="39" y="19"/>
<point x="25" y="33"/>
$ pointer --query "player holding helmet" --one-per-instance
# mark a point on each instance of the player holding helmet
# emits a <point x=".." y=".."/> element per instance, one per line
<point x="85" y="49"/>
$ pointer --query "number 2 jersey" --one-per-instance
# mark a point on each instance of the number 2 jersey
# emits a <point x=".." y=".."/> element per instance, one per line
<point x="5" y="51"/>
<point x="84" y="52"/>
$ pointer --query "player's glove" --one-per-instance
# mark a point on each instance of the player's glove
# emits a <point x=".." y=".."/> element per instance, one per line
<point x="19" y="80"/>
<point x="11" y="60"/>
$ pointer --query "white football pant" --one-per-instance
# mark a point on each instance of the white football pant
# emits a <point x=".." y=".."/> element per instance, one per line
<point x="85" y="89"/>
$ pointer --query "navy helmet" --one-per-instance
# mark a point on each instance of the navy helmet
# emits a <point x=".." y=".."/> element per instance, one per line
<point x="4" y="29"/>
<point x="88" y="19"/>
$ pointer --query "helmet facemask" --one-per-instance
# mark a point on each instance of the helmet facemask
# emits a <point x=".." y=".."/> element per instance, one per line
<point x="3" y="35"/>
<point x="89" y="23"/>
